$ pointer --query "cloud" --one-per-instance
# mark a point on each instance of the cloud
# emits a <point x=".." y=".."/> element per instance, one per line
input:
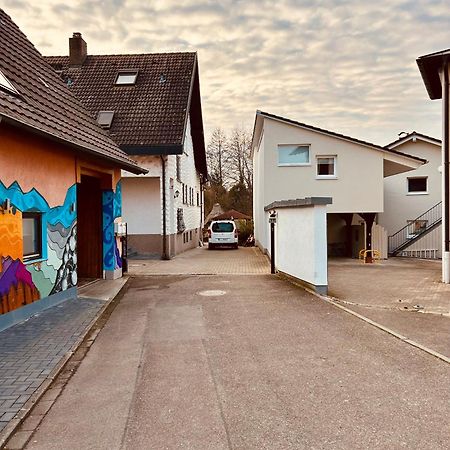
<point x="344" y="65"/>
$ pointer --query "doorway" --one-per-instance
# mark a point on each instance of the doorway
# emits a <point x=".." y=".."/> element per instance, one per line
<point x="89" y="228"/>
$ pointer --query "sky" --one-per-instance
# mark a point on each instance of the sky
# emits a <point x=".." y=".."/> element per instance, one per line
<point x="347" y="66"/>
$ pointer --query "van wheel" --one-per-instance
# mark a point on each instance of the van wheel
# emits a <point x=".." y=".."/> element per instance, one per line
<point x="236" y="246"/>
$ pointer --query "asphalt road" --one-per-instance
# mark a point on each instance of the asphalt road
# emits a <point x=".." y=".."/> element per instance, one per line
<point x="246" y="362"/>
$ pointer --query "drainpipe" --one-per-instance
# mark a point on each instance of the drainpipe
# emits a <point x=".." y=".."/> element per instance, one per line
<point x="201" y="208"/>
<point x="446" y="176"/>
<point x="163" y="167"/>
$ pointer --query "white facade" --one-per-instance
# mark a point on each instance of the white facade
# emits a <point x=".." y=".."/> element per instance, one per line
<point x="400" y="205"/>
<point x="301" y="243"/>
<point x="356" y="184"/>
<point x="142" y="199"/>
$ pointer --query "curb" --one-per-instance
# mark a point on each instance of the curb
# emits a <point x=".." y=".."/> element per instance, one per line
<point x="334" y="301"/>
<point x="14" y="424"/>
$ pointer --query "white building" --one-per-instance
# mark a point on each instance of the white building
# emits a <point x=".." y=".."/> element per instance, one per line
<point x="413" y="200"/>
<point x="151" y="106"/>
<point x="293" y="160"/>
<point x="435" y="71"/>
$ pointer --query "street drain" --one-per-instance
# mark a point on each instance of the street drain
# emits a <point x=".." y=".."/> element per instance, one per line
<point x="212" y="293"/>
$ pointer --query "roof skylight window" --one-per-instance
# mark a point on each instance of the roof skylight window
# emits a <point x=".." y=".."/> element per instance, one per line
<point x="127" y="77"/>
<point x="7" y="85"/>
<point x="104" y="118"/>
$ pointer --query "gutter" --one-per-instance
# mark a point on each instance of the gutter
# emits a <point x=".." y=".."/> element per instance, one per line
<point x="164" y="255"/>
<point x="446" y="159"/>
<point x="123" y="164"/>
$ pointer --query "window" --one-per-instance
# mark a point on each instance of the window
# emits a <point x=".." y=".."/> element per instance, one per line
<point x="104" y="118"/>
<point x="293" y="155"/>
<point x="415" y="227"/>
<point x="178" y="167"/>
<point x="417" y="185"/>
<point x="32" y="235"/>
<point x="198" y="198"/>
<point x="223" y="227"/>
<point x="326" y="167"/>
<point x="7" y="85"/>
<point x="180" y="221"/>
<point x="127" y="77"/>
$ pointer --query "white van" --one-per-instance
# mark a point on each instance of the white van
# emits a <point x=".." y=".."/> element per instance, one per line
<point x="222" y="232"/>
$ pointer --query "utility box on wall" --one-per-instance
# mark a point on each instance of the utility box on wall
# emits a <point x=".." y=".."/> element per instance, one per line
<point x="120" y="228"/>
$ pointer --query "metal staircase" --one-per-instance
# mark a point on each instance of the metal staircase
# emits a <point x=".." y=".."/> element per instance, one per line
<point x="415" y="229"/>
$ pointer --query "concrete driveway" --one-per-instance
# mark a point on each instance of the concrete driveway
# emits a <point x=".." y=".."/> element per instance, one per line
<point x="232" y="362"/>
<point x="403" y="294"/>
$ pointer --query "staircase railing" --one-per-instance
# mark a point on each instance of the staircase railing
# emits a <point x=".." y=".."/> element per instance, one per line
<point x="415" y="228"/>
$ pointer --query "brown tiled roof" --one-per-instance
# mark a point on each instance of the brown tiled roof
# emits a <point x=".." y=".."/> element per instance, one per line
<point x="232" y="214"/>
<point x="44" y="104"/>
<point x="151" y="112"/>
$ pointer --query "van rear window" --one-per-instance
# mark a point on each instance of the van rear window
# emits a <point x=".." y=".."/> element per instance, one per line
<point x="223" y="227"/>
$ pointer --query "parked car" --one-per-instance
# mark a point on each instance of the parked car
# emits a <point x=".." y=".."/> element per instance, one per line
<point x="222" y="233"/>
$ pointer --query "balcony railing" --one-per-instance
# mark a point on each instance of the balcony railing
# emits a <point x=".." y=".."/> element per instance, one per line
<point x="415" y="228"/>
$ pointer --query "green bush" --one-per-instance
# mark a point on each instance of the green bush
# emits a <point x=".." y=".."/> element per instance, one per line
<point x="245" y="230"/>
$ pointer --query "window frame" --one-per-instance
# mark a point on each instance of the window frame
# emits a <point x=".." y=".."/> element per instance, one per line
<point x="7" y="85"/>
<point x="408" y="192"/>
<point x="105" y="124"/>
<point x="124" y="72"/>
<point x="305" y="164"/>
<point x="326" y="177"/>
<point x="39" y="255"/>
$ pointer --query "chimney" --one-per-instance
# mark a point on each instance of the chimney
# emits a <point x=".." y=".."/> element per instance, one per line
<point x="77" y="50"/>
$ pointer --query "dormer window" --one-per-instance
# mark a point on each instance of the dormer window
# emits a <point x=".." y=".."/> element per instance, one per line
<point x="126" y="77"/>
<point x="104" y="118"/>
<point x="7" y="85"/>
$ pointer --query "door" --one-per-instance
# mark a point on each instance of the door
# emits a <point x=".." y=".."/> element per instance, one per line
<point x="89" y="228"/>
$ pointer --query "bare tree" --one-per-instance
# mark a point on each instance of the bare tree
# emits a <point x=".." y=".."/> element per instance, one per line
<point x="216" y="155"/>
<point x="238" y="159"/>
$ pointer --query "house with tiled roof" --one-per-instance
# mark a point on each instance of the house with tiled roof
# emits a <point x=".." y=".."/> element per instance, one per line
<point x="412" y="214"/>
<point x="150" y="106"/>
<point x="60" y="193"/>
<point x="293" y="160"/>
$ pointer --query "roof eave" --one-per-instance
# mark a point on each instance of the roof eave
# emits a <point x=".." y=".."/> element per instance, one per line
<point x="134" y="168"/>
<point x="141" y="150"/>
<point x="410" y="137"/>
<point x="429" y="67"/>
<point x="335" y="135"/>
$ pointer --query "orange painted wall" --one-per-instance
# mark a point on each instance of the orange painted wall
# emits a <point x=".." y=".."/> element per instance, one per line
<point x="37" y="163"/>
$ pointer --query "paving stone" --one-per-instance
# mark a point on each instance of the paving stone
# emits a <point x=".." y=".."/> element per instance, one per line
<point x="30" y="351"/>
<point x="7" y="416"/>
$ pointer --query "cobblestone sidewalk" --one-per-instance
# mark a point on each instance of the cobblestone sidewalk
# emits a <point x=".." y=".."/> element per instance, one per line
<point x="31" y="350"/>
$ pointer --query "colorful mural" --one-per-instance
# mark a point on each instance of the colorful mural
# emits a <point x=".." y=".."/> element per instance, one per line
<point x="11" y="243"/>
<point x="112" y="209"/>
<point x="56" y="271"/>
<point x="16" y="285"/>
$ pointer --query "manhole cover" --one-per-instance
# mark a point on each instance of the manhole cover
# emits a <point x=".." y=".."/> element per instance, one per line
<point x="211" y="293"/>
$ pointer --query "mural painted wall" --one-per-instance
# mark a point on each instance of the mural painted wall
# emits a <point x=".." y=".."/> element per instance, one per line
<point x="112" y="209"/>
<point x="23" y="282"/>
